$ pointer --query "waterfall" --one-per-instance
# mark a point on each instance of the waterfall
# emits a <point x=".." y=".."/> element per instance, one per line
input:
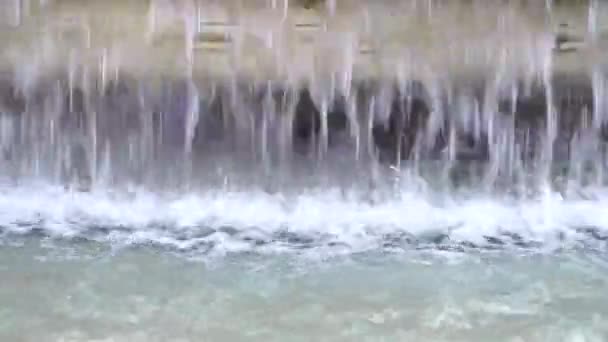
<point x="464" y="91"/>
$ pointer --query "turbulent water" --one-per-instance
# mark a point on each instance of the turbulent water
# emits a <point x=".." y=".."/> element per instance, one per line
<point x="438" y="174"/>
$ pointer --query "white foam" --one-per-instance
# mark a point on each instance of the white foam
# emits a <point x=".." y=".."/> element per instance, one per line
<point x="234" y="220"/>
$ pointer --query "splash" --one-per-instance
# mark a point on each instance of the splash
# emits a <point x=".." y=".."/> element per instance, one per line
<point x="329" y="222"/>
<point x="437" y="110"/>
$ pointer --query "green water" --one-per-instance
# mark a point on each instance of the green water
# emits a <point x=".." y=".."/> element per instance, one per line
<point x="54" y="291"/>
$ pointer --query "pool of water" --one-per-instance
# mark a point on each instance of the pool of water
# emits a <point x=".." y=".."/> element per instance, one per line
<point x="230" y="267"/>
<point x="60" y="291"/>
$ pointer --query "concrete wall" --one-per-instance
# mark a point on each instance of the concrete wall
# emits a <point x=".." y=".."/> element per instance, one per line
<point x="263" y="38"/>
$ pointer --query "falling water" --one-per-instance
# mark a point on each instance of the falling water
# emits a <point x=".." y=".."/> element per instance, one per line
<point x="383" y="95"/>
<point x="494" y="99"/>
<point x="460" y="142"/>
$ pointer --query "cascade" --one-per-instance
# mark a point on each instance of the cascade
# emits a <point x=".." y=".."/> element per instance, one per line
<point x="184" y="94"/>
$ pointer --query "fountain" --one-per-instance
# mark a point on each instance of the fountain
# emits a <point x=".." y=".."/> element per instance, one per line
<point x="146" y="91"/>
<point x="407" y="170"/>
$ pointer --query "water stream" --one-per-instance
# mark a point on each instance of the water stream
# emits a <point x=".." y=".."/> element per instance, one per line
<point x="396" y="170"/>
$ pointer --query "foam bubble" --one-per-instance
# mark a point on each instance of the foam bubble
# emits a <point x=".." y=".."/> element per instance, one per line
<point x="241" y="221"/>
